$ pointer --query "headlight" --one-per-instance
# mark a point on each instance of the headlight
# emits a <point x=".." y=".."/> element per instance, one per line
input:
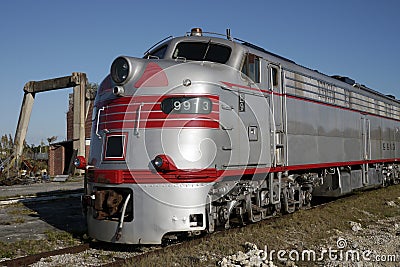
<point x="120" y="70"/>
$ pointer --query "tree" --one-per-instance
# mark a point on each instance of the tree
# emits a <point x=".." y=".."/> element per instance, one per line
<point x="91" y="89"/>
<point x="52" y="139"/>
<point x="6" y="146"/>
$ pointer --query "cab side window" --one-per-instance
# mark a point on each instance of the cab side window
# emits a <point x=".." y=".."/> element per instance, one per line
<point x="159" y="53"/>
<point x="251" y="67"/>
<point x="274" y="73"/>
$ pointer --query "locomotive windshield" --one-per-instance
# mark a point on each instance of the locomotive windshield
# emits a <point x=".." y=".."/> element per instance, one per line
<point x="199" y="51"/>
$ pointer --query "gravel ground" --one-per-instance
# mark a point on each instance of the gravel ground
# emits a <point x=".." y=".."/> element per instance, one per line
<point x="87" y="258"/>
<point x="377" y="244"/>
<point x="91" y="257"/>
<point x="253" y="257"/>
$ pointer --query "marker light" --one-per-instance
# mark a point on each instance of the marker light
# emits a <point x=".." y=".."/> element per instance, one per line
<point x="80" y="162"/>
<point x="118" y="91"/>
<point x="163" y="163"/>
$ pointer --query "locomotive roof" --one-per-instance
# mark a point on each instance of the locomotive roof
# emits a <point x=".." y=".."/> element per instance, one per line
<point x="240" y="47"/>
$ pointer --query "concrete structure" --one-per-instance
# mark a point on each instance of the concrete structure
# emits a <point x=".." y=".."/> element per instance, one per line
<point x="78" y="124"/>
<point x="78" y="81"/>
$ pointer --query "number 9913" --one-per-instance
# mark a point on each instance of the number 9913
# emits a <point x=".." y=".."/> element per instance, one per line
<point x="186" y="105"/>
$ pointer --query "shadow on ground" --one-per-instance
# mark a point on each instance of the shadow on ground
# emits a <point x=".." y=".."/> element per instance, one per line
<point x="63" y="214"/>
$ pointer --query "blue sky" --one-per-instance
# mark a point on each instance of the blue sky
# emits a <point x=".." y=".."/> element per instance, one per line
<point x="45" y="39"/>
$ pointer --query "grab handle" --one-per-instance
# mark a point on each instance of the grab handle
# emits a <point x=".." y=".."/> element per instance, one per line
<point x="136" y="132"/>
<point x="98" y="121"/>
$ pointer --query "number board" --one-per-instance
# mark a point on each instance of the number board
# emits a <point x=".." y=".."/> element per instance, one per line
<point x="186" y="105"/>
<point x="242" y="102"/>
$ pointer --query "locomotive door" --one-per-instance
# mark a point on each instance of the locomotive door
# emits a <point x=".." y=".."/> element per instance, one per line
<point x="366" y="147"/>
<point x="366" y="139"/>
<point x="277" y="104"/>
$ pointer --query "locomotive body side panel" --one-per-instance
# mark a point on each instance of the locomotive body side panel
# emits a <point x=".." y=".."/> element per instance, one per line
<point x="336" y="126"/>
<point x="317" y="135"/>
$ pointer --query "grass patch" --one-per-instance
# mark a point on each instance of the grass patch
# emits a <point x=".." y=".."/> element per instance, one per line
<point x="21" y="211"/>
<point x="301" y="230"/>
<point x="60" y="237"/>
<point x="22" y="248"/>
<point x="19" y="220"/>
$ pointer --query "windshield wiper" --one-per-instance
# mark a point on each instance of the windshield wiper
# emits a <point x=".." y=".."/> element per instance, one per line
<point x="208" y="48"/>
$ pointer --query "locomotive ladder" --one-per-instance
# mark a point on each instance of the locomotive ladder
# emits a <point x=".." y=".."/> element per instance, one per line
<point x="279" y="148"/>
<point x="278" y="137"/>
<point x="278" y="110"/>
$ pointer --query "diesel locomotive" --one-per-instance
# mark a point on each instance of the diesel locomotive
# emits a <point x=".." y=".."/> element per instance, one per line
<point x="207" y="131"/>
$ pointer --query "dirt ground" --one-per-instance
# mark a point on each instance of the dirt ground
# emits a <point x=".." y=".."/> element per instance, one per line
<point x="40" y="217"/>
<point x="35" y="189"/>
<point x="32" y="220"/>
